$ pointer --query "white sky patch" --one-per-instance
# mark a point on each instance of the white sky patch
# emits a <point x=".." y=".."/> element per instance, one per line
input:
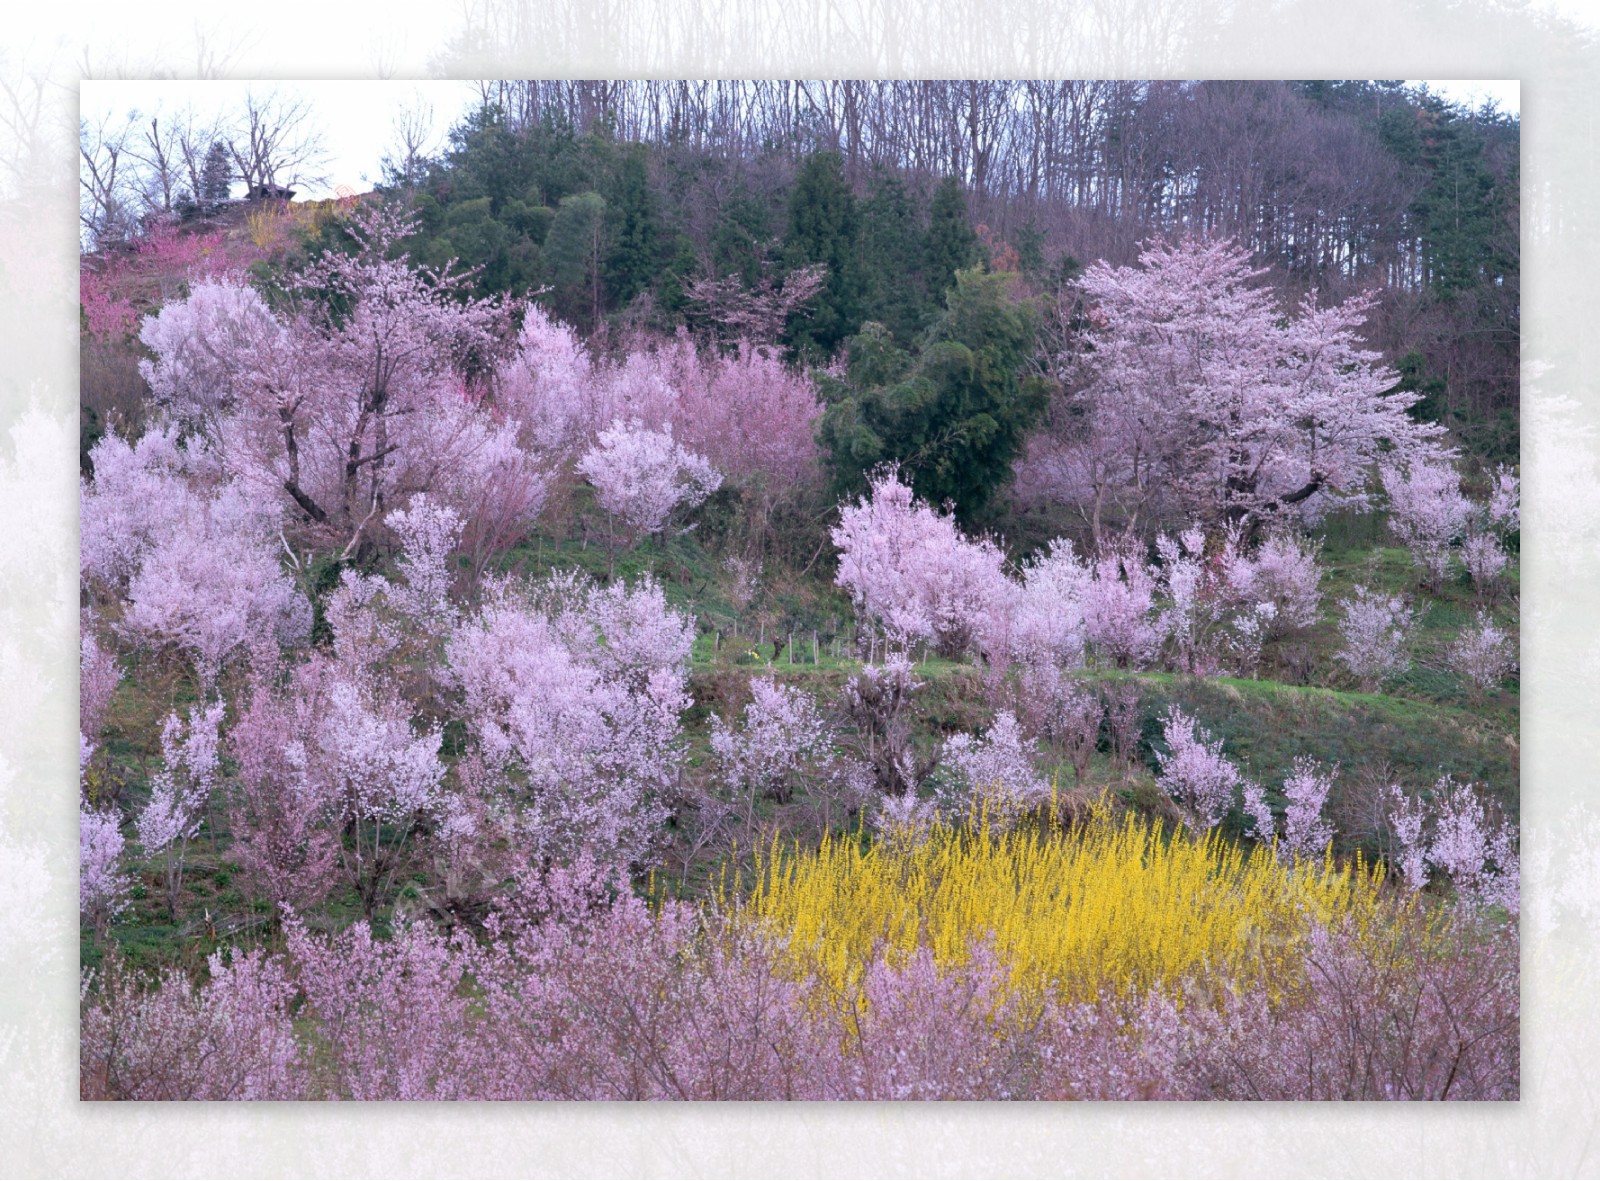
<point x="1506" y="94"/>
<point x="356" y="119"/>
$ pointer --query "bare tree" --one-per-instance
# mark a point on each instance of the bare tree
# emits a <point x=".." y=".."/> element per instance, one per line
<point x="108" y="202"/>
<point x="413" y="140"/>
<point x="157" y="153"/>
<point x="276" y="144"/>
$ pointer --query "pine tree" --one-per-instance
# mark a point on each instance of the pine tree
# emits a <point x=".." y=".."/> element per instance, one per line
<point x="892" y="245"/>
<point x="634" y="227"/>
<point x="824" y="227"/>
<point x="952" y="245"/>
<point x="216" y="176"/>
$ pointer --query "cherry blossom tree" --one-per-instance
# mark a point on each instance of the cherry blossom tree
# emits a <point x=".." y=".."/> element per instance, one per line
<point x="360" y="395"/>
<point x="781" y="742"/>
<point x="1456" y="832"/>
<point x="102" y="883"/>
<point x="1376" y="630"/>
<point x="1194" y="771"/>
<point x="1064" y="712"/>
<point x="283" y="837"/>
<point x="1047" y="624"/>
<point x="574" y="694"/>
<point x="642" y="477"/>
<point x="1281" y="573"/>
<point x="1201" y="397"/>
<point x="214" y="585"/>
<point x="207" y="348"/>
<point x="1485" y="560"/>
<point x="911" y="572"/>
<point x="428" y="534"/>
<point x="1483" y="655"/>
<point x="877" y="700"/>
<point x="179" y="793"/>
<point x="1427" y="512"/>
<point x="1505" y="500"/>
<point x="991" y="779"/>
<point x="550" y="385"/>
<point x="98" y="677"/>
<point x="1119" y="608"/>
<point x="1305" y="833"/>
<point x="136" y="494"/>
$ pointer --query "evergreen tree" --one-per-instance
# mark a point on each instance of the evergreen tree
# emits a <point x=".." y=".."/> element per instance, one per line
<point x="573" y="254"/>
<point x="952" y="245"/>
<point x="739" y="241"/>
<point x="891" y="247"/>
<point x="824" y="227"/>
<point x="954" y="418"/>
<point x="216" y="175"/>
<point x="634" y="229"/>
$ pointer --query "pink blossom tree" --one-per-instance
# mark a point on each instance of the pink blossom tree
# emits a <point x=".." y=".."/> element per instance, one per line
<point x="98" y="677"/>
<point x="429" y="533"/>
<point x="641" y="477"/>
<point x="1456" y="832"/>
<point x="362" y="394"/>
<point x="1194" y="771"/>
<point x="1427" y="512"/>
<point x="338" y="750"/>
<point x="102" y="883"/>
<point x="1202" y="398"/>
<point x="991" y="779"/>
<point x="213" y="585"/>
<point x="283" y="839"/>
<point x="1121" y="620"/>
<point x="878" y="701"/>
<point x="207" y="348"/>
<point x="574" y="693"/>
<point x="782" y="743"/>
<point x="1376" y="630"/>
<point x="911" y="572"/>
<point x="180" y="792"/>
<point x="1482" y="655"/>
<point x="1047" y="625"/>
<point x="1305" y="833"/>
<point x="1063" y="712"/>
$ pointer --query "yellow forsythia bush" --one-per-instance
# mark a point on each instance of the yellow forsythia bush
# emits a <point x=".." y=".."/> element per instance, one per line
<point x="1112" y="907"/>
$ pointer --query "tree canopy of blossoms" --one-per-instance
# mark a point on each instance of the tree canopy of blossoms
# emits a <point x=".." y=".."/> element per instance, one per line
<point x="642" y="476"/>
<point x="102" y="883"/>
<point x="783" y="735"/>
<point x="180" y="791"/>
<point x="1202" y="397"/>
<point x="1427" y="512"/>
<point x="992" y="778"/>
<point x="750" y="415"/>
<point x="1454" y="832"/>
<point x="364" y="392"/>
<point x="1376" y="630"/>
<point x="207" y="348"/>
<point x="1194" y="771"/>
<point x="574" y="693"/>
<point x="1483" y="654"/>
<point x="912" y="572"/>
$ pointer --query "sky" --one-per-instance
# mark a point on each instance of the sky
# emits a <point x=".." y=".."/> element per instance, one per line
<point x="357" y="118"/>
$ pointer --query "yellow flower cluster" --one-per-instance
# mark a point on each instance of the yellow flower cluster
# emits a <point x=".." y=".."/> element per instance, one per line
<point x="1111" y="907"/>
